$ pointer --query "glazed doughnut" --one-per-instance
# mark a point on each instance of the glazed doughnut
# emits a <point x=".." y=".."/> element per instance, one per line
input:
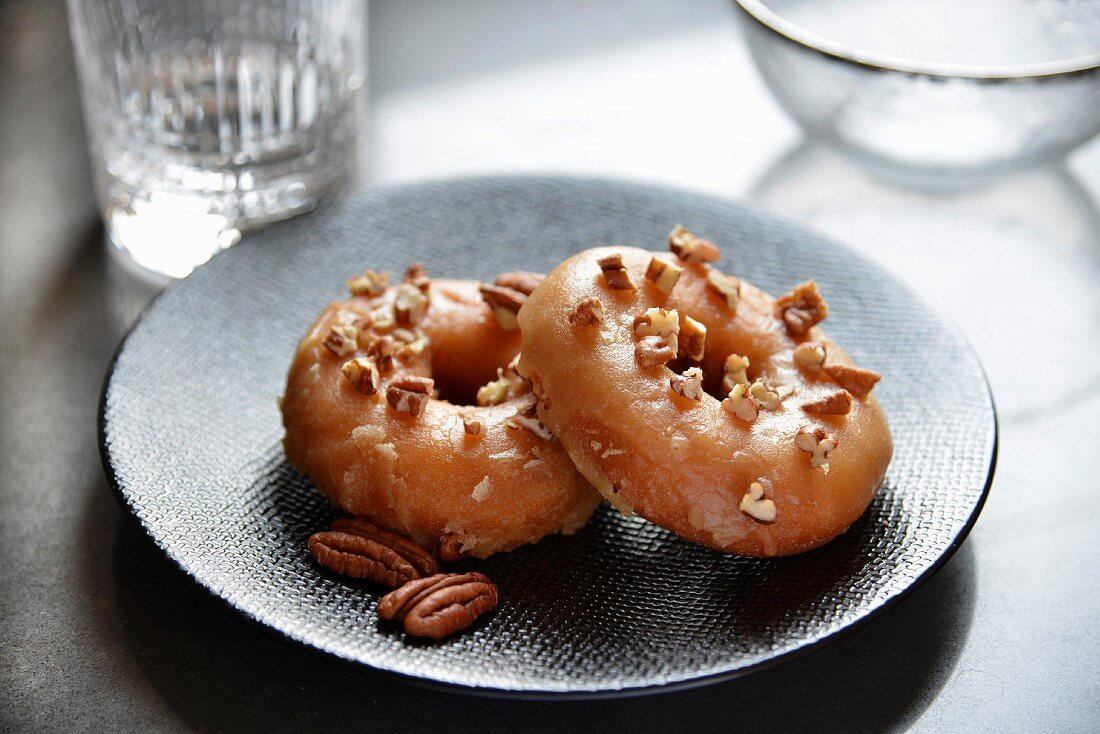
<point x="364" y="424"/>
<point x="626" y="350"/>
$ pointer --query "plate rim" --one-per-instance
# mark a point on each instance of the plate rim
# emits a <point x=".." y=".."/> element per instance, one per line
<point x="579" y="693"/>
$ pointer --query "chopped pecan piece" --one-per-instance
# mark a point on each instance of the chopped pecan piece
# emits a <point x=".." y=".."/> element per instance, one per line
<point x="473" y="425"/>
<point x="727" y="287"/>
<point x="356" y="548"/>
<point x="523" y="282"/>
<point x="692" y="339"/>
<point x="481" y="489"/>
<point x="362" y="374"/>
<point x="855" y="380"/>
<point x="689" y="384"/>
<point x="615" y="273"/>
<point x="528" y="418"/>
<point x="690" y="247"/>
<point x="802" y="307"/>
<point x="734" y="372"/>
<point x="383" y="321"/>
<point x="493" y="393"/>
<point x="505" y="304"/>
<point x="816" y="442"/>
<point x="417" y="275"/>
<point x="756" y="506"/>
<point x="369" y="284"/>
<point x="741" y="403"/>
<point x="410" y="395"/>
<point x="449" y="548"/>
<point x="588" y="312"/>
<point x="837" y="403"/>
<point x="382" y="350"/>
<point x="341" y="340"/>
<point x="765" y="395"/>
<point x="663" y="274"/>
<point x="408" y="353"/>
<point x="659" y="322"/>
<point x="810" y="355"/>
<point x="509" y="384"/>
<point x="406" y="336"/>
<point x="440" y="605"/>
<point x="363" y="323"/>
<point x="653" y="351"/>
<point x="409" y="305"/>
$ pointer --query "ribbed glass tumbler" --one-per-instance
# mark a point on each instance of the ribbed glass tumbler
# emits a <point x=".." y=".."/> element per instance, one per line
<point x="209" y="118"/>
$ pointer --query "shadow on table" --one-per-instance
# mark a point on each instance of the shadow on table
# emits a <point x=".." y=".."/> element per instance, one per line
<point x="968" y="247"/>
<point x="217" y="671"/>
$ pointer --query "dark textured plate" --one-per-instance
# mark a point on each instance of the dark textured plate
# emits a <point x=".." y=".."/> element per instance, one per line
<point x="191" y="442"/>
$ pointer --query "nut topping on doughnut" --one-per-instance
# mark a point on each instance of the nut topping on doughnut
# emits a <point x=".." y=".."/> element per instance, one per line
<point x="837" y="403"/>
<point x="528" y="418"/>
<point x="689" y="384"/>
<point x="356" y="548"/>
<point x="756" y="506"/>
<point x="693" y="339"/>
<point x="439" y="606"/>
<point x="653" y="351"/>
<point x="383" y="322"/>
<point x="726" y="286"/>
<point x="493" y="393"/>
<point x="362" y="374"/>
<point x="403" y="335"/>
<point x="810" y="355"/>
<point x="734" y="372"/>
<point x="802" y="307"/>
<point x="663" y="274"/>
<point x="692" y="248"/>
<point x="417" y="275"/>
<point x="509" y="384"/>
<point x="481" y="489"/>
<point x="342" y="340"/>
<point x="409" y="352"/>
<point x="369" y="283"/>
<point x="765" y="396"/>
<point x="410" y="394"/>
<point x="505" y="303"/>
<point x="588" y="312"/>
<point x="855" y="380"/>
<point x="615" y="273"/>
<point x="382" y="351"/>
<point x="523" y="282"/>
<point x="363" y="323"/>
<point x="741" y="403"/>
<point x="473" y="425"/>
<point x="409" y="305"/>
<point x="449" y="548"/>
<point x="816" y="442"/>
<point x="659" y="322"/>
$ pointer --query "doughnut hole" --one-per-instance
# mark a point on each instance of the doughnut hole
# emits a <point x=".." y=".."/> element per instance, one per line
<point x="467" y="345"/>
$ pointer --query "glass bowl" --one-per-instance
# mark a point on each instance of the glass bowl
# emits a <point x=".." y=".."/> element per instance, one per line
<point x="934" y="86"/>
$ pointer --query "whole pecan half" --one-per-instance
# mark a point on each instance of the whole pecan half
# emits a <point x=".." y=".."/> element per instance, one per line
<point x="356" y="548"/>
<point x="439" y="605"/>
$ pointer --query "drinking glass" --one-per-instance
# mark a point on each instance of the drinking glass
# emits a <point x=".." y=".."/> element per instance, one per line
<point x="209" y="118"/>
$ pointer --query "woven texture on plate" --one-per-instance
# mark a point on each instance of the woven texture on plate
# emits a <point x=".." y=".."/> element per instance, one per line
<point x="191" y="434"/>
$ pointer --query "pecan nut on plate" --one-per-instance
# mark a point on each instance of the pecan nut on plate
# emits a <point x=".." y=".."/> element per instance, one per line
<point x="356" y="548"/>
<point x="440" y="605"/>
